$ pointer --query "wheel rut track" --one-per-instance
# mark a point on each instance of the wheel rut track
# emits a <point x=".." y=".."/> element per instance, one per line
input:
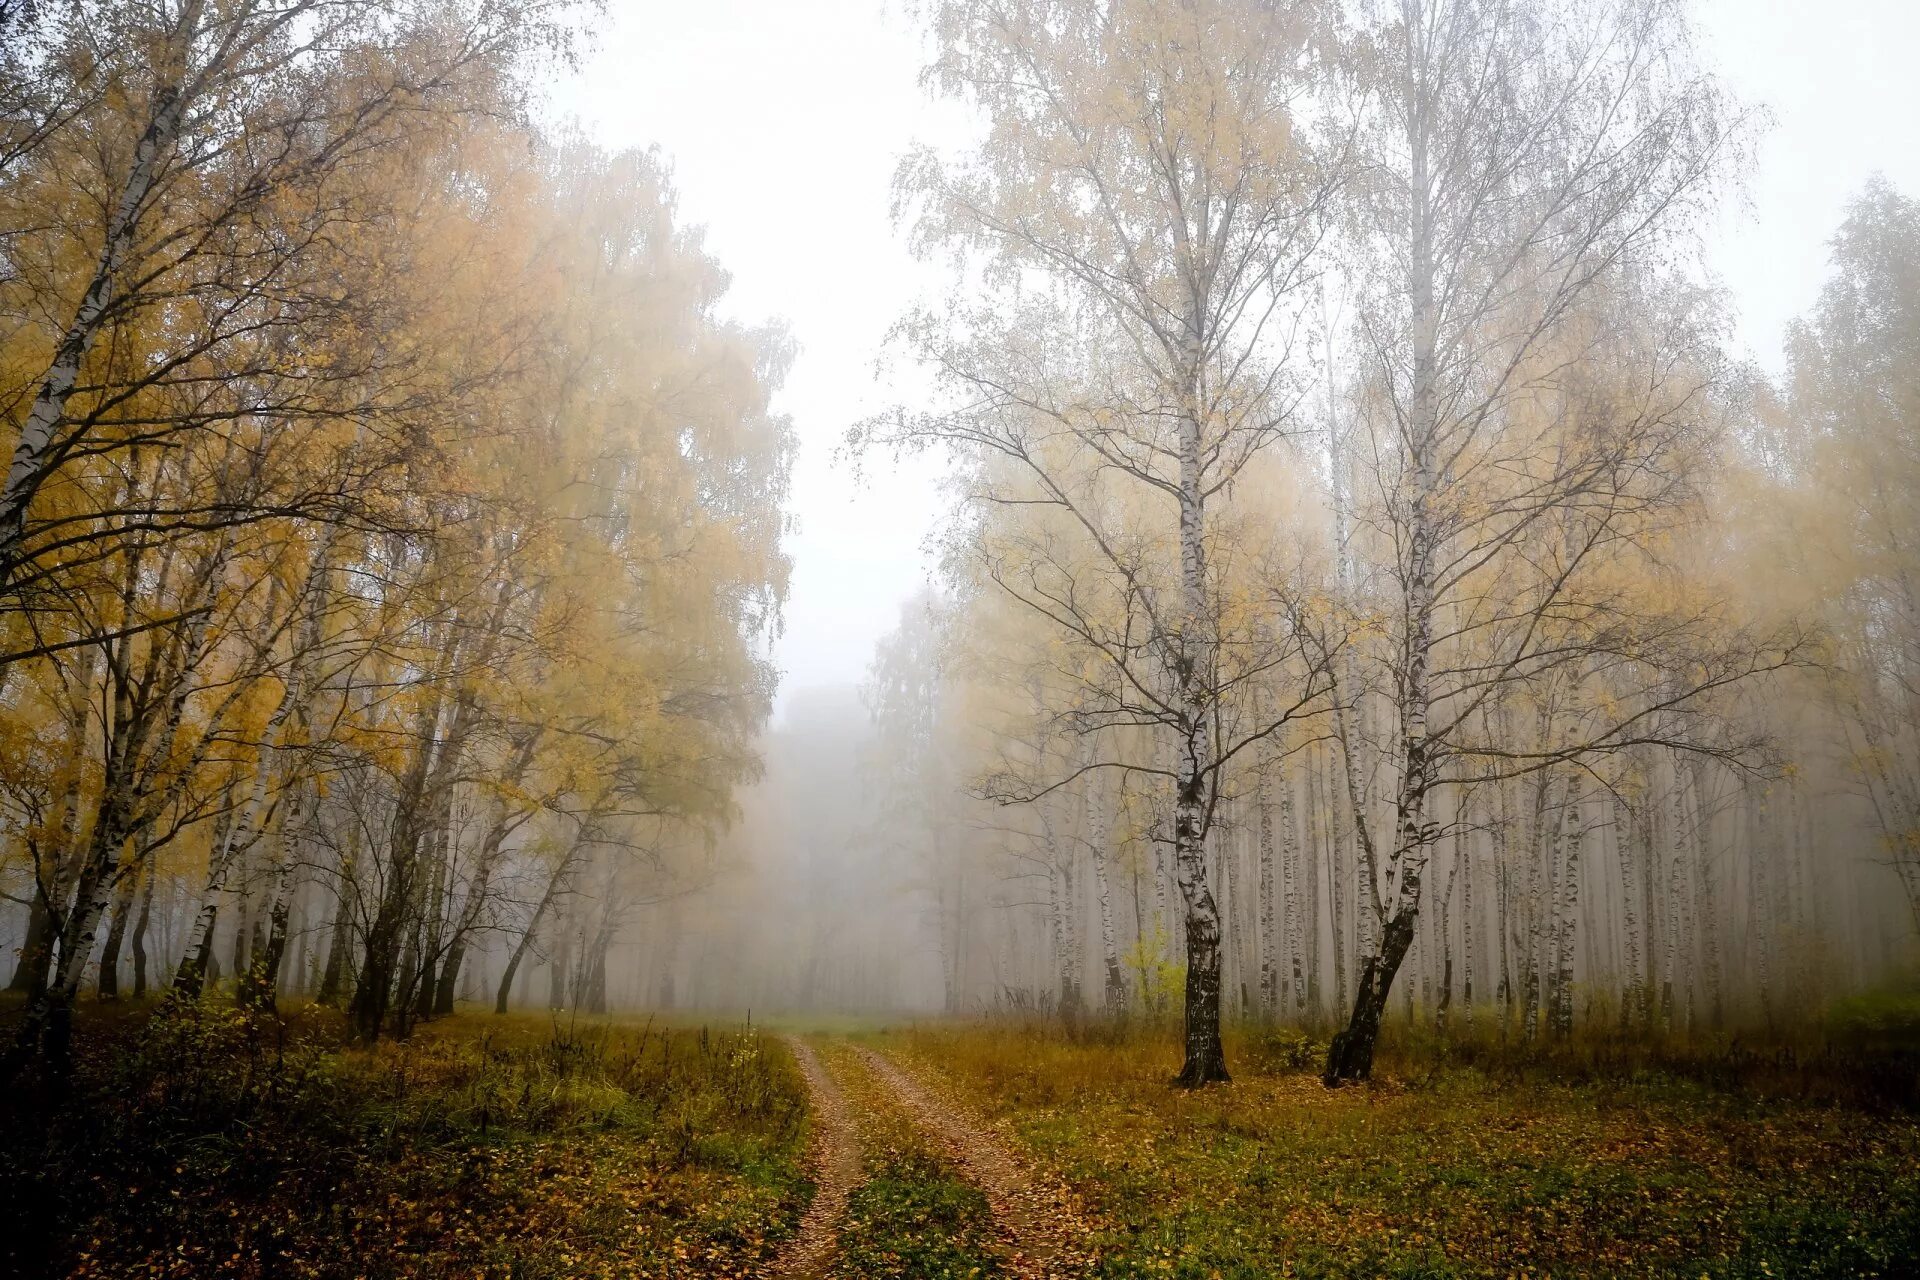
<point x="1042" y="1225"/>
<point x="835" y="1160"/>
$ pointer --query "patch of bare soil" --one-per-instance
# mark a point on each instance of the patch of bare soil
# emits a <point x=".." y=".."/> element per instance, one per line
<point x="835" y="1157"/>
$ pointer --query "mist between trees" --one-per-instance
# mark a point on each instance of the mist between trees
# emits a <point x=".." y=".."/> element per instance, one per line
<point x="1371" y="588"/>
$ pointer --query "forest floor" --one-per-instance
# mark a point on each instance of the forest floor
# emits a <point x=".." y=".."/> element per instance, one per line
<point x="221" y="1144"/>
<point x="215" y="1143"/>
<point x="934" y="1191"/>
<point x="1448" y="1166"/>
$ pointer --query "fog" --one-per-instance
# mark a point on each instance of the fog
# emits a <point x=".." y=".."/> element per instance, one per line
<point x="1202" y="528"/>
<point x="879" y="638"/>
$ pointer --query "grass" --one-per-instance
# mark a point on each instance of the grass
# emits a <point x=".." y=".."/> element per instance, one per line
<point x="205" y="1142"/>
<point x="913" y="1216"/>
<point x="1454" y="1165"/>
<point x="209" y="1142"/>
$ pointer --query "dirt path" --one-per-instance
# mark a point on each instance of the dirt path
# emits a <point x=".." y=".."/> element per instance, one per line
<point x="835" y="1157"/>
<point x="1044" y="1228"/>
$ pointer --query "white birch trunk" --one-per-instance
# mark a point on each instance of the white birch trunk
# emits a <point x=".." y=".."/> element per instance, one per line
<point x="1706" y="910"/>
<point x="1635" y="976"/>
<point x="1467" y="932"/>
<point x="1536" y="906"/>
<point x="1269" y="941"/>
<point x="36" y="452"/>
<point x="1676" y="883"/>
<point x="1567" y="907"/>
<point x="1290" y="883"/>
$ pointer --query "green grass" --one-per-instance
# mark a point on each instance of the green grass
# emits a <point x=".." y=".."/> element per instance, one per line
<point x="1443" y="1170"/>
<point x="209" y="1143"/>
<point x="913" y="1216"/>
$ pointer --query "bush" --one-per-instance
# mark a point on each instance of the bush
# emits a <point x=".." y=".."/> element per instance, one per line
<point x="1275" y="1049"/>
<point x="1887" y="1021"/>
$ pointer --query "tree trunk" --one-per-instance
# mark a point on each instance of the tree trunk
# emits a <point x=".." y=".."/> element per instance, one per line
<point x="1759" y="909"/>
<point x="592" y="991"/>
<point x="261" y="986"/>
<point x="1190" y="660"/>
<point x="1163" y="933"/>
<point x="669" y="962"/>
<point x="482" y="878"/>
<point x="520" y="948"/>
<point x="1221" y="873"/>
<point x="1455" y="876"/>
<point x="1538" y="865"/>
<point x="1676" y="863"/>
<point x="1706" y="907"/>
<point x="52" y="900"/>
<point x="1140" y="937"/>
<point x="1350" y="1056"/>
<point x="123" y="908"/>
<point x="36" y="453"/>
<point x="195" y="958"/>
<point x="956" y="971"/>
<point x="334" y="977"/>
<point x="49" y="1019"/>
<point x="389" y="932"/>
<point x="1338" y="878"/>
<point x="1633" y="997"/>
<point x="1061" y="923"/>
<point x="1115" y="999"/>
<point x="262" y="983"/>
<point x="36" y="949"/>
<point x="1269" y="938"/>
<point x="1396" y="905"/>
<point x="139" y="941"/>
<point x="434" y="908"/>
<point x="1463" y="844"/>
<point x="1321" y="844"/>
<point x="1290" y="890"/>
<point x="449" y="980"/>
<point x="1206" y="1061"/>
<point x="512" y="970"/>
<point x="243" y="922"/>
<point x="1567" y="908"/>
<point x="1503" y="897"/>
<point x="146" y="716"/>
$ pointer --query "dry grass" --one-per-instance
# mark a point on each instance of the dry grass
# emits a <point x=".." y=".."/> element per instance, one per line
<point x="1443" y="1168"/>
<point x="209" y="1143"/>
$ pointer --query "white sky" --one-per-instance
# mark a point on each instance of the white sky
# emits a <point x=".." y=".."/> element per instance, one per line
<point x="783" y="120"/>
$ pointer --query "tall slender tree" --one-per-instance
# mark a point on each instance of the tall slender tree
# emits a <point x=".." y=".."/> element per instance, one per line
<point x="1146" y="205"/>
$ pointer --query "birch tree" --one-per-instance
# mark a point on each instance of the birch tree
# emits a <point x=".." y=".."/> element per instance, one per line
<point x="1533" y="163"/>
<point x="1852" y="403"/>
<point x="181" y="172"/>
<point x="1145" y="206"/>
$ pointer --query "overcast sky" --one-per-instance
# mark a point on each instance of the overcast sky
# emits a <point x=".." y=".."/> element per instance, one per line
<point x="783" y="120"/>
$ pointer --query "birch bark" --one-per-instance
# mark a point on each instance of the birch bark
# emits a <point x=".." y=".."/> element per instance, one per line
<point x="36" y="453"/>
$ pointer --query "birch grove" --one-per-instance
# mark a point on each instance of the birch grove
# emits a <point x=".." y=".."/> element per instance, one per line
<point x="1501" y="682"/>
<point x="386" y="598"/>
<point x="1375" y="596"/>
<point x="1148" y="228"/>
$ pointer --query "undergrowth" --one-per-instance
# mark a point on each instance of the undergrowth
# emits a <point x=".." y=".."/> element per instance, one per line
<point x="208" y="1141"/>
